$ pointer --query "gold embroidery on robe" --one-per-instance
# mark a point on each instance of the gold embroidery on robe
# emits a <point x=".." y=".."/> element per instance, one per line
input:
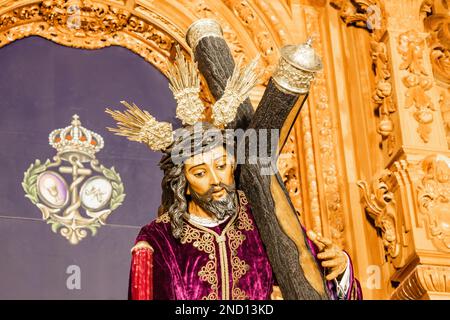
<point x="164" y="218"/>
<point x="238" y="267"/>
<point x="244" y="222"/>
<point x="208" y="273"/>
<point x="204" y="240"/>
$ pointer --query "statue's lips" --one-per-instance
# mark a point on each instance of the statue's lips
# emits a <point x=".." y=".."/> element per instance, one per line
<point x="219" y="192"/>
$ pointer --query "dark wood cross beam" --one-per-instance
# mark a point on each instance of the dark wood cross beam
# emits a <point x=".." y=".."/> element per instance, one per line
<point x="294" y="266"/>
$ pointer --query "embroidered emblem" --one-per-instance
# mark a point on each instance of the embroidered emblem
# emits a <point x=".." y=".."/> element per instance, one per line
<point x="75" y="192"/>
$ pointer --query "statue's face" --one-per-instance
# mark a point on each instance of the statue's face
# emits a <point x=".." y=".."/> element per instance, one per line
<point x="207" y="170"/>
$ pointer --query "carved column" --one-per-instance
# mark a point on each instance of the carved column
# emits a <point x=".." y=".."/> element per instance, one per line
<point x="422" y="176"/>
<point x="407" y="201"/>
<point x="316" y="137"/>
<point x="437" y="22"/>
<point x="420" y="121"/>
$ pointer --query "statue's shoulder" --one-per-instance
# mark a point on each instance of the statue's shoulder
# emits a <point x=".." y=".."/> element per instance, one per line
<point x="156" y="231"/>
<point x="244" y="220"/>
<point x="164" y="218"/>
<point x="242" y="198"/>
<point x="156" y="226"/>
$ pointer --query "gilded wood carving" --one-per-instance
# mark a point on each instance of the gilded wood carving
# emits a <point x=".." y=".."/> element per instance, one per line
<point x="370" y="15"/>
<point x="411" y="46"/>
<point x="437" y="22"/>
<point x="380" y="206"/>
<point x="433" y="195"/>
<point x="424" y="280"/>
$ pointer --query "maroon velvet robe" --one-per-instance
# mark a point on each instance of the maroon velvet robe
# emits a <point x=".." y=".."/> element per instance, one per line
<point x="198" y="267"/>
<point x="225" y="262"/>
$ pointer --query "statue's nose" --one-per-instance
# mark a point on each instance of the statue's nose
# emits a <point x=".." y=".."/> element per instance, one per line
<point x="214" y="178"/>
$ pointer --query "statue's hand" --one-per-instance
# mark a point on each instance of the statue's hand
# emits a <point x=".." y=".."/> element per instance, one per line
<point x="141" y="245"/>
<point x="276" y="293"/>
<point x="334" y="260"/>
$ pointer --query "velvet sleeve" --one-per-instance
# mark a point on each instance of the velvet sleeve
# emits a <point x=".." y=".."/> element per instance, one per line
<point x="163" y="280"/>
<point x="354" y="292"/>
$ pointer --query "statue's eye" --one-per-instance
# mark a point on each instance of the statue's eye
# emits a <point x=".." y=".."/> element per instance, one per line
<point x="221" y="166"/>
<point x="199" y="174"/>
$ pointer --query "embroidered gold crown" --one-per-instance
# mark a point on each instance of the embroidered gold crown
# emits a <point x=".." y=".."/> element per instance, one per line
<point x="138" y="125"/>
<point x="75" y="139"/>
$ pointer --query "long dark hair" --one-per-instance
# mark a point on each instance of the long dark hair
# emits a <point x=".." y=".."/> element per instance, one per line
<point x="173" y="200"/>
<point x="194" y="139"/>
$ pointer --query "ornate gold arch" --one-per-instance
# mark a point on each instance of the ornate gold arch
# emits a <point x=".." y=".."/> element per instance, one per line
<point x="149" y="28"/>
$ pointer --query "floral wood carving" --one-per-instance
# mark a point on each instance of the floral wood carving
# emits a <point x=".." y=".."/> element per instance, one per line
<point x="327" y="145"/>
<point x="437" y="23"/>
<point x="423" y="279"/>
<point x="84" y="17"/>
<point x="288" y="164"/>
<point x="411" y="46"/>
<point x="438" y="26"/>
<point x="366" y="14"/>
<point x="382" y="96"/>
<point x="370" y="15"/>
<point x="444" y="101"/>
<point x="380" y="206"/>
<point x="436" y="20"/>
<point x="433" y="197"/>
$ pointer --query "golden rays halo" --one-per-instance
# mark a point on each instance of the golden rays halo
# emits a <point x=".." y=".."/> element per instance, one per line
<point x="139" y="125"/>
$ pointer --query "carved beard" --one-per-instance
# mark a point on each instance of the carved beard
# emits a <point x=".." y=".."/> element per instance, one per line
<point x="225" y="207"/>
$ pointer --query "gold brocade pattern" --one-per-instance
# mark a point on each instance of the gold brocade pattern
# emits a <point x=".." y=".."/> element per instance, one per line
<point x="205" y="240"/>
<point x="239" y="294"/>
<point x="238" y="266"/>
<point x="208" y="273"/>
<point x="236" y="238"/>
<point x="164" y="218"/>
<point x="244" y="222"/>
